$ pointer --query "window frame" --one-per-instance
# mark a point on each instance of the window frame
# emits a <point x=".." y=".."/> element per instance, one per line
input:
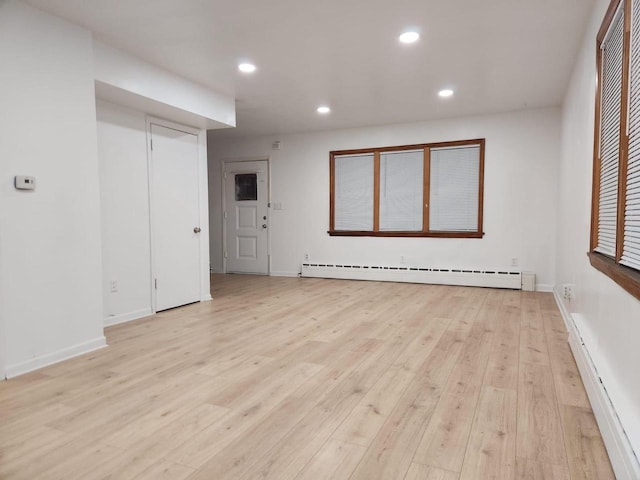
<point x="627" y="277"/>
<point x="426" y="147"/>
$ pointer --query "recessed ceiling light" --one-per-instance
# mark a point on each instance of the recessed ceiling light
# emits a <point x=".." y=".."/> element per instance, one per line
<point x="247" y="67"/>
<point x="409" y="37"/>
<point x="323" y="109"/>
<point x="446" y="92"/>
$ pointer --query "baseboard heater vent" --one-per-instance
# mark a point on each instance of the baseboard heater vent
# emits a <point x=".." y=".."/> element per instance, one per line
<point x="441" y="276"/>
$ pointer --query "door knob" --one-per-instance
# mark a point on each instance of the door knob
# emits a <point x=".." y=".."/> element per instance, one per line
<point x="196" y="230"/>
<point x="264" y="225"/>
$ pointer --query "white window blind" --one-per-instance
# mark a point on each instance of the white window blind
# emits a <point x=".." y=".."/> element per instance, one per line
<point x="454" y="184"/>
<point x="401" y="187"/>
<point x="631" y="249"/>
<point x="611" y="77"/>
<point x="353" y="192"/>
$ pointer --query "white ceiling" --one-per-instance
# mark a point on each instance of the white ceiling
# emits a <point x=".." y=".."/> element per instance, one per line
<point x="498" y="55"/>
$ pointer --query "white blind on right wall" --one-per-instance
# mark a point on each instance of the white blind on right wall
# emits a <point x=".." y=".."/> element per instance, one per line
<point x="611" y="77"/>
<point x="631" y="250"/>
<point x="454" y="189"/>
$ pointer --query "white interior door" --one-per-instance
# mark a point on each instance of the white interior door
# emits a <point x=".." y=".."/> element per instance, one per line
<point x="176" y="216"/>
<point x="246" y="217"/>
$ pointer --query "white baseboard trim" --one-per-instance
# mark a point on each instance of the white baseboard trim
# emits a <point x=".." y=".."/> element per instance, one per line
<point x="566" y="316"/>
<point x="545" y="287"/>
<point x="284" y="274"/>
<point x="127" y="317"/>
<point x="55" y="357"/>
<point x="207" y="298"/>
<point x="623" y="460"/>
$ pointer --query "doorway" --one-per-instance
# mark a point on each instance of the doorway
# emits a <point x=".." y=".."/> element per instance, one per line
<point x="246" y="217"/>
<point x="176" y="226"/>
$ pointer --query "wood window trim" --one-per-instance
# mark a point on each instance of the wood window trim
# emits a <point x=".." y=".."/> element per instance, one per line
<point x="627" y="278"/>
<point x="389" y="233"/>
<point x="426" y="147"/>
<point x="426" y="189"/>
<point x="376" y="191"/>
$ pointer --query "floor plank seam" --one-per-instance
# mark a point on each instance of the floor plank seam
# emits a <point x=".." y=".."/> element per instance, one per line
<point x="560" y="413"/>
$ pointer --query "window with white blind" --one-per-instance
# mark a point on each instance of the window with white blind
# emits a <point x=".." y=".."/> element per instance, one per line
<point x="611" y="74"/>
<point x="401" y="190"/>
<point x="454" y="182"/>
<point x="354" y="192"/>
<point x="631" y="242"/>
<point x="615" y="226"/>
<point x="429" y="190"/>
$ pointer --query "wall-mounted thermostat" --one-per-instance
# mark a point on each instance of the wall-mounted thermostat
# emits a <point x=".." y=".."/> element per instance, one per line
<point x="24" y="182"/>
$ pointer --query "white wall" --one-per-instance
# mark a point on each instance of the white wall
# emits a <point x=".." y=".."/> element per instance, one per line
<point x="124" y="191"/>
<point x="50" y="266"/>
<point x="608" y="318"/>
<point x="125" y="79"/>
<point x="522" y="152"/>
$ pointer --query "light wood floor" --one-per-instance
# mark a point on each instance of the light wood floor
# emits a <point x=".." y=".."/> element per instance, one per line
<point x="312" y="379"/>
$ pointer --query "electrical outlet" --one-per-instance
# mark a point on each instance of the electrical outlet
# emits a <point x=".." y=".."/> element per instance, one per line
<point x="568" y="291"/>
<point x="514" y="262"/>
<point x="114" y="286"/>
<point x="306" y="257"/>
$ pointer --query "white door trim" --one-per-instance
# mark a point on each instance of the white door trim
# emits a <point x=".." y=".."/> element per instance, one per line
<point x="203" y="203"/>
<point x="226" y="161"/>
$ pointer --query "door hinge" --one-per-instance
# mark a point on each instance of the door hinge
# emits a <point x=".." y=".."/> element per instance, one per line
<point x="155" y="283"/>
<point x="225" y="175"/>
<point x="225" y="215"/>
<point x="151" y="141"/>
<point x="225" y="254"/>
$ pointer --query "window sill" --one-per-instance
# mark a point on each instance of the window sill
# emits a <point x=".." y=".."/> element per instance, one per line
<point x="626" y="277"/>
<point x="344" y="233"/>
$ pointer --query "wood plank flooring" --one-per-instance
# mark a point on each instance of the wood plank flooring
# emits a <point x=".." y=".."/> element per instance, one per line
<point x="312" y="379"/>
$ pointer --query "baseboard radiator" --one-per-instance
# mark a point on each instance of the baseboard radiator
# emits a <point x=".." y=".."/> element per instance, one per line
<point x="440" y="276"/>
